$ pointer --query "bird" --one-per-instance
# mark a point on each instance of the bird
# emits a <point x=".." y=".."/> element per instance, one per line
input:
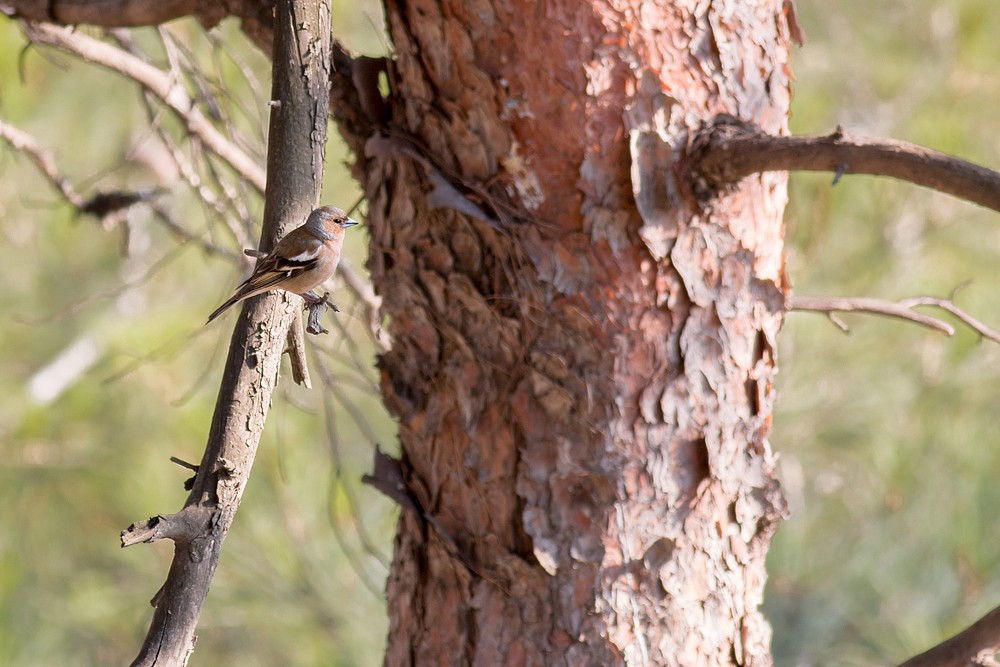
<point x="303" y="259"/>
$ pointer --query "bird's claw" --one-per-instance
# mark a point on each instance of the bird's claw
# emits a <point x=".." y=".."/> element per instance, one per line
<point x="316" y="305"/>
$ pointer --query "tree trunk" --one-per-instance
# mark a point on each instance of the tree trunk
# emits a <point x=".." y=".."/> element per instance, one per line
<point x="584" y="395"/>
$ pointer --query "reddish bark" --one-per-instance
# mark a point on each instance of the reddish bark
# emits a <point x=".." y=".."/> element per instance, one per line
<point x="584" y="400"/>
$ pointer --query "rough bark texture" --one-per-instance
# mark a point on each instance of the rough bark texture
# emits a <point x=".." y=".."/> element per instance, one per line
<point x="584" y="399"/>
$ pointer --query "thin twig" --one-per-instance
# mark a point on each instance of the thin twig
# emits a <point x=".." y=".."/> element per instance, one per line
<point x="966" y="319"/>
<point x="184" y="236"/>
<point x="902" y="309"/>
<point x="370" y="302"/>
<point x="326" y="375"/>
<point x="103" y="204"/>
<point x="184" y="464"/>
<point x="220" y="204"/>
<point x="24" y="143"/>
<point x="161" y="84"/>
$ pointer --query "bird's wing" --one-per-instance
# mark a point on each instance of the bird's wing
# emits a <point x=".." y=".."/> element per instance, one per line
<point x="279" y="267"/>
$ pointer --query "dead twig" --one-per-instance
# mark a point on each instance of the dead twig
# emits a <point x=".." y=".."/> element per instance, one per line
<point x="297" y="352"/>
<point x="109" y="207"/>
<point x="161" y="84"/>
<point x="182" y="527"/>
<point x="24" y="143"/>
<point x="902" y="309"/>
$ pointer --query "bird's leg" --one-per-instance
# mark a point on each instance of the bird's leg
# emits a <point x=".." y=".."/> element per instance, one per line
<point x="316" y="305"/>
<point x="313" y="300"/>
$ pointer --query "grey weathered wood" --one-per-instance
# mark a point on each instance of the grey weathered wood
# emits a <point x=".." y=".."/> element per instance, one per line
<point x="300" y="104"/>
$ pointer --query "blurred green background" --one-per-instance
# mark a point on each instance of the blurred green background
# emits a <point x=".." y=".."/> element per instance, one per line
<point x="887" y="440"/>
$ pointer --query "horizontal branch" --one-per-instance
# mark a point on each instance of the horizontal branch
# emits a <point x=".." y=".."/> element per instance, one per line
<point x="181" y="527"/>
<point x="114" y="13"/>
<point x="728" y="150"/>
<point x="977" y="644"/>
<point x="902" y="309"/>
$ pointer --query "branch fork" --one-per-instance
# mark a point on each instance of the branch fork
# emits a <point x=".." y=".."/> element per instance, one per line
<point x="902" y="309"/>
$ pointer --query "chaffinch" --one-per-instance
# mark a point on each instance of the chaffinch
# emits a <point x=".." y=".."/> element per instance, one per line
<point x="305" y="258"/>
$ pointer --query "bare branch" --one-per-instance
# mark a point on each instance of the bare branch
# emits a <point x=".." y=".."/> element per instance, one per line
<point x="902" y="309"/>
<point x="219" y="200"/>
<point x="182" y="527"/>
<point x="729" y="150"/>
<point x="866" y="305"/>
<point x="103" y="205"/>
<point x="119" y="13"/>
<point x="157" y="82"/>
<point x="184" y="464"/>
<point x="297" y="352"/>
<point x="350" y="95"/>
<point x="371" y="302"/>
<point x="977" y="644"/>
<point x="297" y="136"/>
<point x="24" y="143"/>
<point x="184" y="236"/>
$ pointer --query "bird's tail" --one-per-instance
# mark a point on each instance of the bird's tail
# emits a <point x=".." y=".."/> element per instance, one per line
<point x="236" y="298"/>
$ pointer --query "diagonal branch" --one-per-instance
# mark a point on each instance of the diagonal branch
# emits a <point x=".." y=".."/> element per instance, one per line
<point x="103" y="205"/>
<point x="24" y="143"/>
<point x="977" y="644"/>
<point x="902" y="309"/>
<point x="297" y="136"/>
<point x="159" y="83"/>
<point x="168" y="89"/>
<point x="728" y="150"/>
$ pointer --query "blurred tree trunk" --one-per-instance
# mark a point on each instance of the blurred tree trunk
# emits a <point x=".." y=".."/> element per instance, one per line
<point x="584" y="397"/>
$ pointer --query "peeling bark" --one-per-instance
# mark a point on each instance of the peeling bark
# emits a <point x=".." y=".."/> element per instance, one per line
<point x="585" y="396"/>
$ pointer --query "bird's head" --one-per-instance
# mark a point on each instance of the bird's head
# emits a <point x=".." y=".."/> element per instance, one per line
<point x="329" y="222"/>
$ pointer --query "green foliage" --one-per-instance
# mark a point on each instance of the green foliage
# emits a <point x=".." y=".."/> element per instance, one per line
<point x="887" y="437"/>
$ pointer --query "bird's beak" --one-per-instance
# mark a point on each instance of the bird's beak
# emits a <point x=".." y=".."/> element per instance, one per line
<point x="350" y="222"/>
